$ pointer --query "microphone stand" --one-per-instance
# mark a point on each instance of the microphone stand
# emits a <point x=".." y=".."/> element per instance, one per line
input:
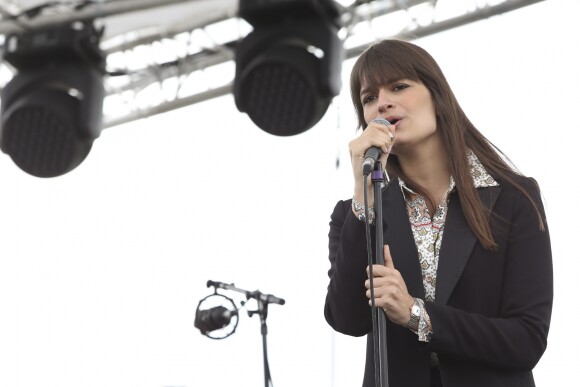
<point x="263" y="301"/>
<point x="262" y="311"/>
<point x="380" y="318"/>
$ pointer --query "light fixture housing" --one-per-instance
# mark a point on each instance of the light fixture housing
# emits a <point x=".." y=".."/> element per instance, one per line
<point x="51" y="111"/>
<point x="288" y="68"/>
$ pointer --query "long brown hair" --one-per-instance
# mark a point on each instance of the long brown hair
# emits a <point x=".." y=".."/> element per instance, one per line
<point x="396" y="59"/>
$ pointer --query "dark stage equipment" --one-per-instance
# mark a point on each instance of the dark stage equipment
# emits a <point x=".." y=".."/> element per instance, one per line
<point x="288" y="68"/>
<point x="51" y="110"/>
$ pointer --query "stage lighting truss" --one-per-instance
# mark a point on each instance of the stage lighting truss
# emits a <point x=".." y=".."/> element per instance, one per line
<point x="180" y="64"/>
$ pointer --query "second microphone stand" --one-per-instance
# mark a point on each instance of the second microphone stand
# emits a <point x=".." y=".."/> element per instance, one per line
<point x="263" y="301"/>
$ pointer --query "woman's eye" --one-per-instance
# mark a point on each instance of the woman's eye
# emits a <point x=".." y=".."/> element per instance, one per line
<point x="368" y="98"/>
<point x="400" y="86"/>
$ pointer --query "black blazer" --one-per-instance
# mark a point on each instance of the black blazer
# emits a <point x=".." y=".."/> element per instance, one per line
<point x="491" y="312"/>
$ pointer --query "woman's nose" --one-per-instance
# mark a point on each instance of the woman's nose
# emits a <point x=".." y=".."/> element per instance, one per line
<point x="383" y="108"/>
<point x="384" y="103"/>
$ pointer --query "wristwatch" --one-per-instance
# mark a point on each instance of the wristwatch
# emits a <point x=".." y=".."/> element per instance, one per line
<point x="413" y="322"/>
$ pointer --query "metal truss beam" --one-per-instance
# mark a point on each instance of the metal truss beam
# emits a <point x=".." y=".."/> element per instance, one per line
<point x="90" y="12"/>
<point x="128" y="88"/>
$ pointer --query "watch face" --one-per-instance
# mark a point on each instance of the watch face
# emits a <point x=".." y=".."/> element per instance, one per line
<point x="415" y="310"/>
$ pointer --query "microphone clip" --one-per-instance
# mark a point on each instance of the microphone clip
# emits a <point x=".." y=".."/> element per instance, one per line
<point x="215" y="320"/>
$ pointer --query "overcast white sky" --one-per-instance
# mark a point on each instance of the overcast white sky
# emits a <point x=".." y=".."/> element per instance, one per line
<point x="101" y="269"/>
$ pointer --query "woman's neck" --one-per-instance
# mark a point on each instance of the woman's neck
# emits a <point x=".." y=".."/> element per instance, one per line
<point x="427" y="166"/>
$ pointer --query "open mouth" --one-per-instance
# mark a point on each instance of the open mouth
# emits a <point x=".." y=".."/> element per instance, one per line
<point x="394" y="121"/>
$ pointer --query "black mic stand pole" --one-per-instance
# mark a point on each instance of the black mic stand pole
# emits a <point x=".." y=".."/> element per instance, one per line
<point x="263" y="313"/>
<point x="378" y="178"/>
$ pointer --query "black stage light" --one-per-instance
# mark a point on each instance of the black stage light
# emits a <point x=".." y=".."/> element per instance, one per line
<point x="51" y="111"/>
<point x="288" y="68"/>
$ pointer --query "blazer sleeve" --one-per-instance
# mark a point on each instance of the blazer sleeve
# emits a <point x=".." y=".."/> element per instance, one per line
<point x="517" y="337"/>
<point x="346" y="308"/>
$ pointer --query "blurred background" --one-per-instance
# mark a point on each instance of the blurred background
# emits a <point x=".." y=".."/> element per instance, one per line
<point x="106" y="254"/>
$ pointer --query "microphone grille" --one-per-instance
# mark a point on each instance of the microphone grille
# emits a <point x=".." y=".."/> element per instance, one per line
<point x="381" y="121"/>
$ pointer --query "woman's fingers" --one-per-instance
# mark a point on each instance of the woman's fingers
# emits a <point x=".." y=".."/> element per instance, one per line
<point x="390" y="290"/>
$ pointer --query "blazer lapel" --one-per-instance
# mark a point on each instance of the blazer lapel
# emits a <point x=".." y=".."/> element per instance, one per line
<point x="457" y="245"/>
<point x="398" y="235"/>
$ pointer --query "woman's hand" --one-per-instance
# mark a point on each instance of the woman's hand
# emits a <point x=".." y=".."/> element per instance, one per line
<point x="375" y="134"/>
<point x="390" y="291"/>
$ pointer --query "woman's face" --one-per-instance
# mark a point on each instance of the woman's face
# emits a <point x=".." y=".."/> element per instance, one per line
<point x="406" y="104"/>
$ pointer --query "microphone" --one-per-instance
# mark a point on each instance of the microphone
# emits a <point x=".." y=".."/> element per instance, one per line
<point x="213" y="319"/>
<point x="373" y="153"/>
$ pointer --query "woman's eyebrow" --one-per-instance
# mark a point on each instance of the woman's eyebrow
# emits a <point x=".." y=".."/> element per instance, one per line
<point x="365" y="91"/>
